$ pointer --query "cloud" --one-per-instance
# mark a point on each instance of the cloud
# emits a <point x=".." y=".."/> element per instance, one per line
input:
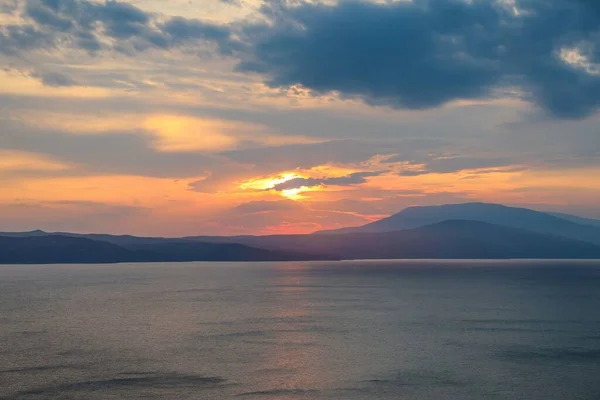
<point x="19" y="162"/>
<point x="392" y="53"/>
<point x="412" y="55"/>
<point x="260" y="207"/>
<point x="290" y="157"/>
<point x="118" y="19"/>
<point x="237" y="3"/>
<point x="452" y="164"/>
<point x="47" y="13"/>
<point x="55" y="79"/>
<point x="114" y="152"/>
<point x="592" y="5"/>
<point x="181" y="30"/>
<point x="348" y="180"/>
<point x="425" y="53"/>
<point x="8" y="6"/>
<point x="111" y="24"/>
<point x="14" y="39"/>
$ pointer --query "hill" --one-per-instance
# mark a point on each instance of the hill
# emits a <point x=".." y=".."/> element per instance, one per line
<point x="515" y="217"/>
<point x="472" y="230"/>
<point x="447" y="239"/>
<point x="578" y="220"/>
<point x="59" y="249"/>
<point x="54" y="249"/>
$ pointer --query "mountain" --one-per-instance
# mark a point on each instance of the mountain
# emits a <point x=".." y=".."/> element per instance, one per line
<point x="447" y="239"/>
<point x="52" y="249"/>
<point x="60" y="249"/>
<point x="37" y="232"/>
<point x="577" y="220"/>
<point x="122" y="240"/>
<point x="473" y="230"/>
<point x="179" y="250"/>
<point x="521" y="218"/>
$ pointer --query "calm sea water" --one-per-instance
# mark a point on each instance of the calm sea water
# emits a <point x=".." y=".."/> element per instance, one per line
<point x="419" y="330"/>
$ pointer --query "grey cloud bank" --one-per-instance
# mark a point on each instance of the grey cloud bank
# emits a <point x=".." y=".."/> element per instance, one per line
<point x="422" y="54"/>
<point x="412" y="55"/>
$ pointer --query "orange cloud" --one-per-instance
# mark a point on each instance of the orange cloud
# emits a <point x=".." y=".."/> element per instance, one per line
<point x="171" y="208"/>
<point x="24" y="161"/>
<point x="180" y="133"/>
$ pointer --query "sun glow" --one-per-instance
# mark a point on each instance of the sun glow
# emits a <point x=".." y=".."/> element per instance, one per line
<point x="269" y="183"/>
<point x="293" y="194"/>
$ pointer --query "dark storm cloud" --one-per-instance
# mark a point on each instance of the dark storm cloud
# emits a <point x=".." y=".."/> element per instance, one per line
<point x="422" y="54"/>
<point x="592" y="5"/>
<point x="348" y="180"/>
<point x="533" y="50"/>
<point x="408" y="55"/>
<point x="413" y="55"/>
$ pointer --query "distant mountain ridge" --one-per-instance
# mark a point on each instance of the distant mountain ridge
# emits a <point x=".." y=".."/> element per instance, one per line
<point x="51" y="249"/>
<point x="448" y="231"/>
<point x="447" y="239"/>
<point x="60" y="249"/>
<point x="577" y="220"/>
<point x="521" y="218"/>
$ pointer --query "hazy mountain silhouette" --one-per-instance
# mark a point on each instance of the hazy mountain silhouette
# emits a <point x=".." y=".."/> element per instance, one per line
<point x="116" y="239"/>
<point x="178" y="250"/>
<point x="37" y="232"/>
<point x="473" y="230"/>
<point x="521" y="218"/>
<point x="577" y="220"/>
<point x="55" y="249"/>
<point x="50" y="249"/>
<point x="447" y="239"/>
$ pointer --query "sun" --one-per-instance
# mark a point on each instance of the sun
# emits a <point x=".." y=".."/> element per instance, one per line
<point x="269" y="183"/>
<point x="293" y="194"/>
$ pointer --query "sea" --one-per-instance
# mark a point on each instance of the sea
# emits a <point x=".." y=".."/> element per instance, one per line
<point x="418" y="330"/>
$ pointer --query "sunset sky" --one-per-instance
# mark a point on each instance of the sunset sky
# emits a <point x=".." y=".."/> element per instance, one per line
<point x="177" y="117"/>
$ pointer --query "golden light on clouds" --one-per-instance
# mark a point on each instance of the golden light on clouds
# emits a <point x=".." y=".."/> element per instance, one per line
<point x="269" y="182"/>
<point x="25" y="161"/>
<point x="22" y="84"/>
<point x="170" y="133"/>
<point x="180" y="133"/>
<point x="82" y="123"/>
<point x="294" y="194"/>
<point x="100" y="188"/>
<point x="196" y="134"/>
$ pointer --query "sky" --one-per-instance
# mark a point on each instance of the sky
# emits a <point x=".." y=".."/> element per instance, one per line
<point x="228" y="117"/>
